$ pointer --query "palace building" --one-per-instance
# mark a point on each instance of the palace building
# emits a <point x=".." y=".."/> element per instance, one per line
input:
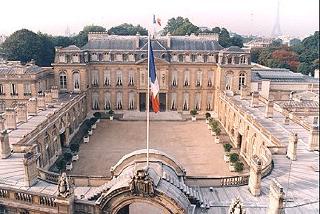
<point x="270" y="116"/>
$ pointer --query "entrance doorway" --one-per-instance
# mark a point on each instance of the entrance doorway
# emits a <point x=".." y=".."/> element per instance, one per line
<point x="162" y="101"/>
<point x="239" y="140"/>
<point x="63" y="139"/>
<point x="142" y="101"/>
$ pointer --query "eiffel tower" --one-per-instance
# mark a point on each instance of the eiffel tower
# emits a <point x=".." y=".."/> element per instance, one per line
<point x="276" y="28"/>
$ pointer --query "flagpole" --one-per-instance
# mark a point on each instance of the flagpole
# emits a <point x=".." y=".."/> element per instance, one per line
<point x="148" y="100"/>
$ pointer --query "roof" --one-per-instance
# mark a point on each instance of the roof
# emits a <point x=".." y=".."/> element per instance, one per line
<point x="234" y="49"/>
<point x="71" y="48"/>
<point x="280" y="75"/>
<point x="115" y="42"/>
<point x="17" y="68"/>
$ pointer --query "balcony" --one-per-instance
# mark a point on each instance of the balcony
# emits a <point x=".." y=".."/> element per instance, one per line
<point x="27" y="94"/>
<point x="14" y="94"/>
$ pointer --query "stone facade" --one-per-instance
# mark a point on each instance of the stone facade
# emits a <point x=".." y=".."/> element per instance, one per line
<point x="116" y="75"/>
<point x="22" y="82"/>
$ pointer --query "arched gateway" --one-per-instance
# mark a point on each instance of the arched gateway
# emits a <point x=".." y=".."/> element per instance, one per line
<point x="156" y="189"/>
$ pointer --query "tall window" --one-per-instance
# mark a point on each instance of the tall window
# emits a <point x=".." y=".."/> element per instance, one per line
<point x="174" y="78"/>
<point x="76" y="80"/>
<point x="242" y="80"/>
<point x="131" y="100"/>
<point x="186" y="78"/>
<point x="119" y="78"/>
<point x="205" y="58"/>
<point x="95" y="78"/>
<point x="119" y="101"/>
<point x="1" y="90"/>
<point x="173" y="101"/>
<point x="107" y="78"/>
<point x="27" y="89"/>
<point x="131" y="78"/>
<point x="2" y="106"/>
<point x="228" y="81"/>
<point x="107" y="101"/>
<point x="198" y="101"/>
<point x="209" y="102"/>
<point x="199" y="79"/>
<point x="95" y="101"/>
<point x="186" y="102"/>
<point x="63" y="80"/>
<point x="210" y="78"/>
<point x="13" y="89"/>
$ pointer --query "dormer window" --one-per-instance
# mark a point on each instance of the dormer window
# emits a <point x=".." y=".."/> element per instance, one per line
<point x="180" y="58"/>
<point x="125" y="57"/>
<point x="193" y="58"/>
<point x="205" y="58"/>
<point x="242" y="60"/>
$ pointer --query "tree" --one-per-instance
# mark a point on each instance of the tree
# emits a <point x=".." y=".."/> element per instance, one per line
<point x="128" y="29"/>
<point x="305" y="68"/>
<point x="24" y="45"/>
<point x="82" y="38"/>
<point x="180" y="27"/>
<point x="236" y="41"/>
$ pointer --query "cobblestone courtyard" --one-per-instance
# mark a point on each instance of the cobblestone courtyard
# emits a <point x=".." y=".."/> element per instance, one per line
<point x="190" y="143"/>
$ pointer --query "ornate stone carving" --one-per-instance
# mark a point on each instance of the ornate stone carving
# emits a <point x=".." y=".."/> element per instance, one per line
<point x="236" y="207"/>
<point x="142" y="184"/>
<point x="63" y="186"/>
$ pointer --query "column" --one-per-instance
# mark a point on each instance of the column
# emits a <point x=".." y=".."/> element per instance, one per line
<point x="292" y="147"/>
<point x="255" y="176"/>
<point x="276" y="198"/>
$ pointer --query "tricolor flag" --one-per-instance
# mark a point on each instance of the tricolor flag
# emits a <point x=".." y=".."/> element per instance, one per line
<point x="154" y="81"/>
<point x="156" y="20"/>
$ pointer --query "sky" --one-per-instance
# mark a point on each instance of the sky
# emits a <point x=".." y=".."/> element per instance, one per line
<point x="298" y="18"/>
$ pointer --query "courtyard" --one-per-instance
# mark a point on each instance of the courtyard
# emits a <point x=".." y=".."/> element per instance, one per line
<point x="189" y="143"/>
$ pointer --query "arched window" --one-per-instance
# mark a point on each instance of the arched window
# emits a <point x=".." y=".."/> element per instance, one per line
<point x="242" y="80"/>
<point x="243" y="60"/>
<point x="63" y="80"/>
<point x="76" y="80"/>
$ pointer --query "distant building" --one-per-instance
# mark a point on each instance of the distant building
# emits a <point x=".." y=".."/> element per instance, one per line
<point x="258" y="43"/>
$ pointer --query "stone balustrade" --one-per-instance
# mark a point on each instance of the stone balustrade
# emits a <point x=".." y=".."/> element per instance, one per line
<point x="29" y="198"/>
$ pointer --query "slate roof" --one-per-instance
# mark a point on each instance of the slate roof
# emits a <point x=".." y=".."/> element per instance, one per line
<point x="176" y="43"/>
<point x="233" y="49"/>
<point x="19" y="69"/>
<point x="280" y="75"/>
<point x="71" y="48"/>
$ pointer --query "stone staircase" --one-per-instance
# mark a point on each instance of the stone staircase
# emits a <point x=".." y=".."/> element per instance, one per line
<point x="193" y="193"/>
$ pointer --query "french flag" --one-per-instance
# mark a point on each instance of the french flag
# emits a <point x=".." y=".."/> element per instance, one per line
<point x="154" y="81"/>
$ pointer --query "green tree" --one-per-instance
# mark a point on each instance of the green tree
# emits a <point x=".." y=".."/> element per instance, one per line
<point x="180" y="26"/>
<point x="305" y="68"/>
<point x="128" y="29"/>
<point x="82" y="38"/>
<point x="24" y="45"/>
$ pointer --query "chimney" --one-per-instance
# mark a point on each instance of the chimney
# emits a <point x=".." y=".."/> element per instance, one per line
<point x="48" y="96"/>
<point x="316" y="73"/>
<point x="4" y="144"/>
<point x="41" y="102"/>
<point x="169" y="40"/>
<point x="292" y="147"/>
<point x="11" y="118"/>
<point x="22" y="113"/>
<point x="269" y="109"/>
<point x="32" y="107"/>
<point x="255" y="99"/>
<point x="54" y="93"/>
<point x="30" y="168"/>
